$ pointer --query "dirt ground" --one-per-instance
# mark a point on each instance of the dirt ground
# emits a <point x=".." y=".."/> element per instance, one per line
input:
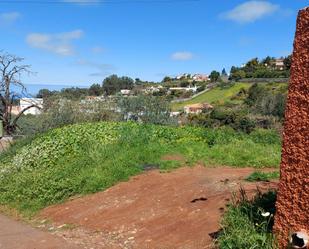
<point x="180" y="209"/>
<point x="17" y="235"/>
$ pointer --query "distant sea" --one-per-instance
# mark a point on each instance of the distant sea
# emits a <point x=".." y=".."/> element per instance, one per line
<point x="33" y="89"/>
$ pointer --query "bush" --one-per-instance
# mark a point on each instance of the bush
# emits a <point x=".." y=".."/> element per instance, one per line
<point x="146" y="109"/>
<point x="61" y="112"/>
<point x="244" y="124"/>
<point x="225" y="116"/>
<point x="266" y="102"/>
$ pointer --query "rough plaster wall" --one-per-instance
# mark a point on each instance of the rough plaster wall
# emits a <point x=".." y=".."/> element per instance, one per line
<point x="293" y="196"/>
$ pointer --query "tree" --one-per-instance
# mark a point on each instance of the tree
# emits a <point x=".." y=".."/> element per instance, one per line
<point x="138" y="81"/>
<point x="238" y="74"/>
<point x="224" y="77"/>
<point x="45" y="93"/>
<point x="95" y="90"/>
<point x="11" y="69"/>
<point x="147" y="109"/>
<point x="255" y="93"/>
<point x="214" y="76"/>
<point x="166" y="79"/>
<point x="74" y="93"/>
<point x="224" y="73"/>
<point x="253" y="63"/>
<point x="114" y="84"/>
<point x="268" y="61"/>
<point x="287" y="62"/>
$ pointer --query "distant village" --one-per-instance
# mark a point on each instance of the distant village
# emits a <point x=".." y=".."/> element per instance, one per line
<point x="35" y="106"/>
<point x="177" y="89"/>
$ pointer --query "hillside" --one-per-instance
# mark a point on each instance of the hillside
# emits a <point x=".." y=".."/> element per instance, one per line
<point x="214" y="95"/>
<point x="87" y="158"/>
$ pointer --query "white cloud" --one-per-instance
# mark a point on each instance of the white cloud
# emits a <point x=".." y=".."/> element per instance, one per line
<point x="250" y="11"/>
<point x="182" y="56"/>
<point x="8" y="18"/>
<point x="59" y="43"/>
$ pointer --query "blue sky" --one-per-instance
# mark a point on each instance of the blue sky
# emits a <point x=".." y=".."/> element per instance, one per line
<point x="71" y="43"/>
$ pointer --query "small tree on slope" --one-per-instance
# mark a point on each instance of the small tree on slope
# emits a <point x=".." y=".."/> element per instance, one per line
<point x="11" y="70"/>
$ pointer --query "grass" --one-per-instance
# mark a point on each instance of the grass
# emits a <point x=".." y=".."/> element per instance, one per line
<point x="248" y="223"/>
<point x="259" y="176"/>
<point x="215" y="95"/>
<point x="88" y="158"/>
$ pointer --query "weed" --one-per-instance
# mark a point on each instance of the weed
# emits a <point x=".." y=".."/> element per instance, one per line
<point x="248" y="223"/>
<point x="259" y="176"/>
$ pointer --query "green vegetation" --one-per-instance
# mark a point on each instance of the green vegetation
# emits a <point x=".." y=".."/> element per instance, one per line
<point x="248" y="224"/>
<point x="259" y="176"/>
<point x="214" y="76"/>
<point x="86" y="158"/>
<point x="148" y="109"/>
<point x="61" y="112"/>
<point x="218" y="94"/>
<point x="113" y="84"/>
<point x="268" y="67"/>
<point x="268" y="99"/>
<point x="259" y="106"/>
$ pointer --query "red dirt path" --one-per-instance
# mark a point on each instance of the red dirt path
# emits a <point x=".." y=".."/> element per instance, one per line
<point x="17" y="235"/>
<point x="153" y="210"/>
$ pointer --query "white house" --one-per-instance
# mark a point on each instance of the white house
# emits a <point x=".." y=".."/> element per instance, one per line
<point x="187" y="89"/>
<point x="125" y="92"/>
<point x="174" y="114"/>
<point x="279" y="64"/>
<point x="26" y="102"/>
<point x="200" y="77"/>
<point x="153" y="89"/>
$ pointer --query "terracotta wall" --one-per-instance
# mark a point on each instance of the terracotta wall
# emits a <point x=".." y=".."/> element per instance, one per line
<point x="293" y="196"/>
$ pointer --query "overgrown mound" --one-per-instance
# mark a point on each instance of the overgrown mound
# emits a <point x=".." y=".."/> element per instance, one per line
<point x="86" y="158"/>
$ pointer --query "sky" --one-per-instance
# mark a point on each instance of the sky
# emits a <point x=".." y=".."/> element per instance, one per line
<point x="80" y="42"/>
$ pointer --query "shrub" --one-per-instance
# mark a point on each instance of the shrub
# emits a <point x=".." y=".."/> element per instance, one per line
<point x="266" y="102"/>
<point x="147" y="109"/>
<point x="61" y="112"/>
<point x="244" y="124"/>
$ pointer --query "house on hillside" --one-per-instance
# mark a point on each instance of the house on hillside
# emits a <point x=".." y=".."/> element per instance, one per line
<point x="197" y="108"/>
<point x="153" y="89"/>
<point x="187" y="89"/>
<point x="200" y="77"/>
<point x="125" y="92"/>
<point x="279" y="64"/>
<point x="25" y="103"/>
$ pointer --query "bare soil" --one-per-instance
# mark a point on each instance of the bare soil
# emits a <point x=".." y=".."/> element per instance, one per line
<point x="17" y="235"/>
<point x="180" y="209"/>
